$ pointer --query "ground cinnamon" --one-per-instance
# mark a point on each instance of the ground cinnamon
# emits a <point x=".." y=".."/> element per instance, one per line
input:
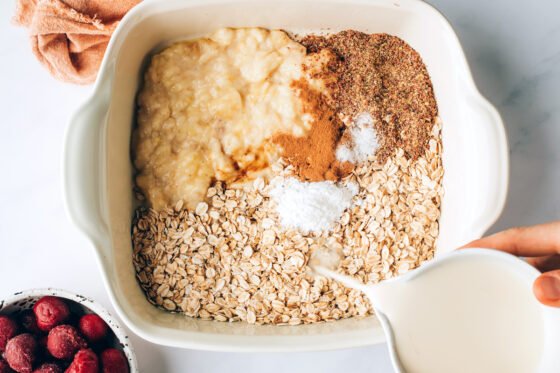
<point x="313" y="155"/>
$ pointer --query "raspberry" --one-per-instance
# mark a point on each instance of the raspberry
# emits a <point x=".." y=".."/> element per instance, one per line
<point x="93" y="327"/>
<point x="114" y="361"/>
<point x="85" y="361"/>
<point x="50" y="312"/>
<point x="48" y="368"/>
<point x="21" y="353"/>
<point x="4" y="367"/>
<point x="28" y="320"/>
<point x="8" y="329"/>
<point x="64" y="341"/>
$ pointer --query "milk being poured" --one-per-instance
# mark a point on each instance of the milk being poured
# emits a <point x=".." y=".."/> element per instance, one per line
<point x="469" y="314"/>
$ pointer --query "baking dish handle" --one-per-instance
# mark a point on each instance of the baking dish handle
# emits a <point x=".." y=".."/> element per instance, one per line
<point x="491" y="183"/>
<point x="83" y="167"/>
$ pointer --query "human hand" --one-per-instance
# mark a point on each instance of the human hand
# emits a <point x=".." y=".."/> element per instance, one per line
<point x="540" y="244"/>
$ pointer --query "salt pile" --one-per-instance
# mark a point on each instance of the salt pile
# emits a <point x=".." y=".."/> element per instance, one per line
<point x="363" y="141"/>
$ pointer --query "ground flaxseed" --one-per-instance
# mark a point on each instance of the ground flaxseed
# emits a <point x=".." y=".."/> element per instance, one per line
<point x="382" y="75"/>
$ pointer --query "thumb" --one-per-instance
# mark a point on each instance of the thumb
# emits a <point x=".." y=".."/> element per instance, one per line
<point x="547" y="288"/>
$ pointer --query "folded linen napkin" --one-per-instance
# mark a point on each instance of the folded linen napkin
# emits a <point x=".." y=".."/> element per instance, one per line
<point x="69" y="37"/>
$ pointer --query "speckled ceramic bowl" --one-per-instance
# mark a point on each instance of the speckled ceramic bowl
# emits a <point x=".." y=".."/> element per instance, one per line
<point x="25" y="299"/>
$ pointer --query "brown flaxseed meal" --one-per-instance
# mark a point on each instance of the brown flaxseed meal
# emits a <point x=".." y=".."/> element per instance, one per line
<point x="382" y="75"/>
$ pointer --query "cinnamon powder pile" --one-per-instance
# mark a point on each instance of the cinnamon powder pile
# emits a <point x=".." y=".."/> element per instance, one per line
<point x="313" y="155"/>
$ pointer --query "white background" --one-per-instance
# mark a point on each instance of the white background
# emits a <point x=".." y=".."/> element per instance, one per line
<point x="513" y="47"/>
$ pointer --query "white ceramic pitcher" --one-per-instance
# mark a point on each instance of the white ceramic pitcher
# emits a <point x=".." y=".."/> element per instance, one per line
<point x="550" y="352"/>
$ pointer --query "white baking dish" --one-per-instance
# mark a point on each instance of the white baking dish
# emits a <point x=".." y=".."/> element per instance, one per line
<point x="98" y="172"/>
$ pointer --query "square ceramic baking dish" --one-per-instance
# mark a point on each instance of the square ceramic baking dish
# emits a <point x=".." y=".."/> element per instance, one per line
<point x="98" y="171"/>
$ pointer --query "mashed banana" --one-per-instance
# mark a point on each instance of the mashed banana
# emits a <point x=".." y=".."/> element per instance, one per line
<point x="209" y="108"/>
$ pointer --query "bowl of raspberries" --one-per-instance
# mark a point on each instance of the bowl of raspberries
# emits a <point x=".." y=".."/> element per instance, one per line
<point x="55" y="331"/>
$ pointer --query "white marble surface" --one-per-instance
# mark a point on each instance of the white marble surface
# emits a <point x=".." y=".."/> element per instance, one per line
<point x="513" y="48"/>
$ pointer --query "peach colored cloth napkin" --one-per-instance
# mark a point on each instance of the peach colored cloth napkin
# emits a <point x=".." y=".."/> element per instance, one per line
<point x="69" y="37"/>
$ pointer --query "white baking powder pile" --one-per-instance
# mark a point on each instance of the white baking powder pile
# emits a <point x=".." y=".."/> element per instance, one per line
<point x="364" y="141"/>
<point x="311" y="206"/>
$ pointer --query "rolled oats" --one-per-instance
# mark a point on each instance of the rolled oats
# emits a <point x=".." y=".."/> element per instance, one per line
<point x="228" y="260"/>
